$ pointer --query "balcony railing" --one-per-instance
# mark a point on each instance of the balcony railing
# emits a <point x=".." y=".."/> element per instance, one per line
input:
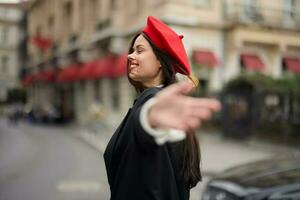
<point x="251" y="14"/>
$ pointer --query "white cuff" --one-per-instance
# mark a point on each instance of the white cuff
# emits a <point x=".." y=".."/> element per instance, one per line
<point x="160" y="135"/>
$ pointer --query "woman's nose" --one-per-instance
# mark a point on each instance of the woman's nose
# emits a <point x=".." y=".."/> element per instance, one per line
<point x="130" y="56"/>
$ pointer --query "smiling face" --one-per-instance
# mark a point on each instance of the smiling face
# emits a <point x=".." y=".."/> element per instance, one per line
<point x="143" y="66"/>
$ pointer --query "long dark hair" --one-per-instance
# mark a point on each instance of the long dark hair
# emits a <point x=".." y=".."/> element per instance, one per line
<point x="190" y="147"/>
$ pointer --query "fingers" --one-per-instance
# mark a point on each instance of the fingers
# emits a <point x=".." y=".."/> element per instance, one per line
<point x="202" y="113"/>
<point x="189" y="125"/>
<point x="196" y="103"/>
<point x="190" y="119"/>
<point x="196" y="111"/>
<point x="175" y="110"/>
<point x="195" y="118"/>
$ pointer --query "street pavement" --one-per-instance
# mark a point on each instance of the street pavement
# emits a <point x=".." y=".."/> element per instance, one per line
<point x="49" y="162"/>
<point x="45" y="163"/>
<point x="217" y="152"/>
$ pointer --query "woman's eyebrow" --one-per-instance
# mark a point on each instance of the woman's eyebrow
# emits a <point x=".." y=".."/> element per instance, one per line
<point x="138" y="46"/>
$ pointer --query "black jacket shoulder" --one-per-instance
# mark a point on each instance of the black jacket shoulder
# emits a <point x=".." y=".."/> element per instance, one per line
<point x="146" y="95"/>
<point x="137" y="167"/>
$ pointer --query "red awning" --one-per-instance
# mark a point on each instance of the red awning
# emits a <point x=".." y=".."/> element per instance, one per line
<point x="206" y="58"/>
<point x="62" y="75"/>
<point x="27" y="80"/>
<point x="103" y="67"/>
<point x="120" y="66"/>
<point x="46" y="76"/>
<point x="69" y="73"/>
<point x="39" y="75"/>
<point x="292" y="64"/>
<point x="87" y="71"/>
<point x="252" y="62"/>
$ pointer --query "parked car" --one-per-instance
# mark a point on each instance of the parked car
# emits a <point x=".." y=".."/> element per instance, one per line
<point x="273" y="179"/>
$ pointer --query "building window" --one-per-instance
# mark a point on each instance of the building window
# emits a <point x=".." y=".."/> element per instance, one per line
<point x="4" y="64"/>
<point x="250" y="8"/>
<point x="94" y="10"/>
<point x="290" y="9"/>
<point x="115" y="86"/>
<point x="68" y="16"/>
<point x="68" y="8"/>
<point x="98" y="92"/>
<point x="4" y="36"/>
<point x="201" y="2"/>
<point x="51" y="24"/>
<point x="113" y="4"/>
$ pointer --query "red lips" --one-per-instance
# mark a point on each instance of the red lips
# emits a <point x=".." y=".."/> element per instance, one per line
<point x="133" y="65"/>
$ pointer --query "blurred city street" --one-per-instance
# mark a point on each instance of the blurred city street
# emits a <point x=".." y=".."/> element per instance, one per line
<point x="51" y="162"/>
<point x="65" y="86"/>
<point x="41" y="162"/>
<point x="218" y="152"/>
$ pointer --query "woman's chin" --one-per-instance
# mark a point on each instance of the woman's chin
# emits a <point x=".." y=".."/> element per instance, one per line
<point x="133" y="76"/>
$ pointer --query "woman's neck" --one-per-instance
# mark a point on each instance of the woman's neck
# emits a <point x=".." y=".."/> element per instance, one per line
<point x="153" y="84"/>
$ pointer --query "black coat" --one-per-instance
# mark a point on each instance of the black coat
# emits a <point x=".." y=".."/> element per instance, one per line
<point x="139" y="169"/>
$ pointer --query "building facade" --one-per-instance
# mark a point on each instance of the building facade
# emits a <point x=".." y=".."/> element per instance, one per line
<point x="10" y="15"/>
<point x="223" y="38"/>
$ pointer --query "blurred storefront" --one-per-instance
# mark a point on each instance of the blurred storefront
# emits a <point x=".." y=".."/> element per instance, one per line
<point x="78" y="47"/>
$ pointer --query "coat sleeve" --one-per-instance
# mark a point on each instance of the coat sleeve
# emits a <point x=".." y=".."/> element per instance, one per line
<point x="145" y="141"/>
<point x="161" y="135"/>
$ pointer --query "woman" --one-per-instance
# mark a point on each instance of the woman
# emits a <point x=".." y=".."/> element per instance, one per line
<point x="152" y="154"/>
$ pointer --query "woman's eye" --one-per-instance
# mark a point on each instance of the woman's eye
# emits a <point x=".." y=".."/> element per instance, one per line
<point x="139" y="51"/>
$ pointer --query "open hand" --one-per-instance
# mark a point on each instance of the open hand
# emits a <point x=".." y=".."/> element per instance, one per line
<point x="173" y="109"/>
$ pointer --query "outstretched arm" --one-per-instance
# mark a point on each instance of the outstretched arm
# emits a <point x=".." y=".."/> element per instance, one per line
<point x="173" y="109"/>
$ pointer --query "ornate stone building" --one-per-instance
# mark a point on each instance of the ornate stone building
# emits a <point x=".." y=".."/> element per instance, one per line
<point x="223" y="38"/>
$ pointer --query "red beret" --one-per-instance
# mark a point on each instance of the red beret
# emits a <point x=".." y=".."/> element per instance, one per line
<point x="169" y="42"/>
